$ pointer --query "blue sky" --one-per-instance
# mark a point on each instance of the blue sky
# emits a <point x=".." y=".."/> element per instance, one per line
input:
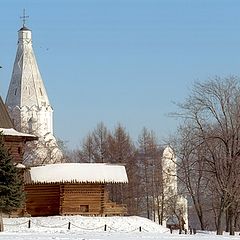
<point x="122" y="61"/>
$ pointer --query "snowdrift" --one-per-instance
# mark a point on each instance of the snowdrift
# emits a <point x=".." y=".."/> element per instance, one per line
<point x="82" y="224"/>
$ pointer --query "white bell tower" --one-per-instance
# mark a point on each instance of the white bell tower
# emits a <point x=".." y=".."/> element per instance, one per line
<point x="175" y="204"/>
<point x="169" y="168"/>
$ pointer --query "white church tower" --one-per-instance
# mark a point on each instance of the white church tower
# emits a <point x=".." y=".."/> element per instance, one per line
<point x="169" y="171"/>
<point x="175" y="204"/>
<point x="28" y="103"/>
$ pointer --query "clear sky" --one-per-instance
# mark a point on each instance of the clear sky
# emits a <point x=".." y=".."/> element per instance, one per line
<point x="122" y="61"/>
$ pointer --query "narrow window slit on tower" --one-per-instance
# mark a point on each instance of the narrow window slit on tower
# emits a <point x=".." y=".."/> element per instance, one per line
<point x="40" y="91"/>
<point x="16" y="91"/>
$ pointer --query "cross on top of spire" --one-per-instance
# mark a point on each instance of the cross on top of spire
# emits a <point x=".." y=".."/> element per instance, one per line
<point x="24" y="17"/>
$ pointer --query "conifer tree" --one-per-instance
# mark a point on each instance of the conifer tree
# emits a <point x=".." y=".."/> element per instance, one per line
<point x="11" y="183"/>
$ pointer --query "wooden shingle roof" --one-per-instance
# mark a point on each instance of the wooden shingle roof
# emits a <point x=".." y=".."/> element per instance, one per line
<point x="5" y="120"/>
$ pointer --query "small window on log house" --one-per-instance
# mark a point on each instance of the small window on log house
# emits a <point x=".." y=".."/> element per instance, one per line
<point x="84" y="208"/>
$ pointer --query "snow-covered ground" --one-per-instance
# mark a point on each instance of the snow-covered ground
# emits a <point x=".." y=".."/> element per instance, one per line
<point x="93" y="228"/>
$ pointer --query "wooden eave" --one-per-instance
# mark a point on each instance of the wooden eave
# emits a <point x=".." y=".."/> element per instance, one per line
<point x="29" y="182"/>
<point x="10" y="138"/>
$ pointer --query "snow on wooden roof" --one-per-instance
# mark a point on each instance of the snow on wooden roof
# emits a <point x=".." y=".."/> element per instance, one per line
<point x="13" y="132"/>
<point x="79" y="173"/>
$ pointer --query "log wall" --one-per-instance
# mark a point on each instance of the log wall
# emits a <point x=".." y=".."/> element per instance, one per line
<point x="15" y="147"/>
<point x="70" y="199"/>
<point x="42" y="200"/>
<point x="84" y="199"/>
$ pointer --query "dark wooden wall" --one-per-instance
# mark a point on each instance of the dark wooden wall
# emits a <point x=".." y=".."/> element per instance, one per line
<point x="15" y="147"/>
<point x="42" y="200"/>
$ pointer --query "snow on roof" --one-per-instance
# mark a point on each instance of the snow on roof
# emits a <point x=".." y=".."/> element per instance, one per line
<point x="79" y="173"/>
<point x="13" y="132"/>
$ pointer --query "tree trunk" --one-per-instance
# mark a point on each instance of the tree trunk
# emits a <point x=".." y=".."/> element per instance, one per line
<point x="158" y="211"/>
<point x="227" y="220"/>
<point x="1" y="222"/>
<point x="162" y="209"/>
<point x="148" y="210"/>
<point x="219" y="223"/>
<point x="202" y="223"/>
<point x="230" y="220"/>
<point x="147" y="192"/>
<point x="236" y="216"/>
<point x="198" y="209"/>
<point x="231" y="224"/>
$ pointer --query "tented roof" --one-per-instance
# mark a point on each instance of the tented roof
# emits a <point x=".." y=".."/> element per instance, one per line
<point x="5" y="121"/>
<point x="78" y="173"/>
<point x="26" y="87"/>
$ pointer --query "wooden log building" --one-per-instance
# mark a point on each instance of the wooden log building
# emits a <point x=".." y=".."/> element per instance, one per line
<point x="62" y="189"/>
<point x="14" y="142"/>
<point x="73" y="189"/>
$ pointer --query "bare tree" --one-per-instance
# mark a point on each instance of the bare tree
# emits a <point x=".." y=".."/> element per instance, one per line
<point x="121" y="150"/>
<point x="42" y="151"/>
<point x="100" y="136"/>
<point x="88" y="150"/>
<point x="150" y="167"/>
<point x="213" y="113"/>
<point x="45" y="150"/>
<point x="192" y="170"/>
<point x="94" y="148"/>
